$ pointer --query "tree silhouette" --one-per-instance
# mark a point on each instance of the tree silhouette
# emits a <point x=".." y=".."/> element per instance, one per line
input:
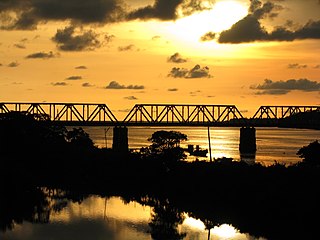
<point x="166" y="146"/>
<point x="310" y="154"/>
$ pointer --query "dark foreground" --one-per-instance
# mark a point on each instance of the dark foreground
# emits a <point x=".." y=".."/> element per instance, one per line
<point x="275" y="202"/>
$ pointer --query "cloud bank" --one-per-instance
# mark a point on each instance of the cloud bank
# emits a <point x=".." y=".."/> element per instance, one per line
<point x="270" y="87"/>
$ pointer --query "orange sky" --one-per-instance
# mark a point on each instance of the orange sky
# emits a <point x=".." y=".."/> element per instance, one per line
<point x="241" y="52"/>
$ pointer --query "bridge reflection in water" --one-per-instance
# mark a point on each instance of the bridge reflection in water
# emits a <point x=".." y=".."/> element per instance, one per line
<point x="91" y="114"/>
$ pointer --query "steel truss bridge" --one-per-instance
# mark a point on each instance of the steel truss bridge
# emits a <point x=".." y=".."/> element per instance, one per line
<point x="88" y="114"/>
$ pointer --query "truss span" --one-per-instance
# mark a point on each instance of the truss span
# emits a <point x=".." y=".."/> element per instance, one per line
<point x="280" y="112"/>
<point x="184" y="115"/>
<point x="66" y="113"/>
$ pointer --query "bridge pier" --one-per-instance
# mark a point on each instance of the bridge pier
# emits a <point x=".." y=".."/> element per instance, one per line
<point x="120" y="139"/>
<point x="247" y="140"/>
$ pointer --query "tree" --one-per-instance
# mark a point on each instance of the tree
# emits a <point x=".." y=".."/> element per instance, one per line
<point x="166" y="145"/>
<point x="79" y="138"/>
<point x="310" y="154"/>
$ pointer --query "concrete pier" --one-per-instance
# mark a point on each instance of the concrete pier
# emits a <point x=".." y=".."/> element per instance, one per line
<point x="247" y="140"/>
<point x="120" y="139"/>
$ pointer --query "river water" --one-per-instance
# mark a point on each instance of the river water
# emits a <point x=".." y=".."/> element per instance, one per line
<point x="273" y="144"/>
<point x="113" y="219"/>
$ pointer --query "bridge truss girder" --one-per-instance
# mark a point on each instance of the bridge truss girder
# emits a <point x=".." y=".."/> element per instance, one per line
<point x="181" y="114"/>
<point x="280" y="112"/>
<point x="64" y="112"/>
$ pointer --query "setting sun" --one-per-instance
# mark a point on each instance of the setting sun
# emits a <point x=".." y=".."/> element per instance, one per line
<point x="221" y="16"/>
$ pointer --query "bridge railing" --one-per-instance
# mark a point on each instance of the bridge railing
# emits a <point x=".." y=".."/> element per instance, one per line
<point x="64" y="112"/>
<point x="182" y="114"/>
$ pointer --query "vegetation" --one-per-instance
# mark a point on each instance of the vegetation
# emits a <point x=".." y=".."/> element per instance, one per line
<point x="310" y="154"/>
<point x="165" y="146"/>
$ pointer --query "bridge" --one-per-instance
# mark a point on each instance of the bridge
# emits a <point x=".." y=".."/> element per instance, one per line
<point x="90" y="114"/>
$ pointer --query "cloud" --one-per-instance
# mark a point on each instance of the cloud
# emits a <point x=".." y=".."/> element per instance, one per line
<point x="161" y="9"/>
<point x="41" y="55"/>
<point x="195" y="72"/>
<point x="59" y="84"/>
<point x="249" y="29"/>
<point x="74" y="78"/>
<point x="19" y="45"/>
<point x="283" y="87"/>
<point x="167" y="10"/>
<point x="86" y="84"/>
<point x="317" y="66"/>
<point x="208" y="37"/>
<point x="116" y="85"/>
<point x="172" y="89"/>
<point x="27" y="14"/>
<point x="156" y="37"/>
<point x="126" y="48"/>
<point x="13" y="64"/>
<point x="297" y="66"/>
<point x="81" y="67"/>
<point x="67" y="40"/>
<point x="195" y="93"/>
<point x="176" y="58"/>
<point x="131" y="98"/>
<point x="109" y="38"/>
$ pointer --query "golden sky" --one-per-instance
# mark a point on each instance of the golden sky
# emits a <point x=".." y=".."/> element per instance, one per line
<point x="246" y="53"/>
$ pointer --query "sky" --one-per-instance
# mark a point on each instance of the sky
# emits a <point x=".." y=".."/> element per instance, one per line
<point x="246" y="53"/>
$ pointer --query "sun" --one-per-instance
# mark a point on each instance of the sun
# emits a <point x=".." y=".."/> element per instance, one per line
<point x="221" y="16"/>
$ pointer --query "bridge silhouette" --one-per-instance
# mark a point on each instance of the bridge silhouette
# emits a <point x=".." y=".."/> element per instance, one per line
<point x="91" y="114"/>
<point x="97" y="114"/>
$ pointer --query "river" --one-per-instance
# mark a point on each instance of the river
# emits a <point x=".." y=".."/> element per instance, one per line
<point x="273" y="144"/>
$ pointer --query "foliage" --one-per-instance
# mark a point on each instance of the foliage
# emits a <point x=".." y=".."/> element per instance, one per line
<point x="79" y="138"/>
<point x="22" y="133"/>
<point x="310" y="154"/>
<point x="162" y="140"/>
<point x="166" y="146"/>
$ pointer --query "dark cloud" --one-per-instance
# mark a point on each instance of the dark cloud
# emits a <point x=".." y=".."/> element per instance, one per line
<point x="116" y="85"/>
<point x="195" y="72"/>
<point x="74" y="78"/>
<point x="317" y="66"/>
<point x="208" y="37"/>
<point x="161" y="9"/>
<point x="59" y="84"/>
<point x="297" y="66"/>
<point x="109" y="38"/>
<point x="19" y="45"/>
<point x="27" y="14"/>
<point x="131" y="98"/>
<point x="176" y="58"/>
<point x="126" y="48"/>
<point x="172" y="89"/>
<point x="67" y="40"/>
<point x="41" y="55"/>
<point x="283" y="87"/>
<point x="81" y="67"/>
<point x="168" y="9"/>
<point x="249" y="29"/>
<point x="86" y="84"/>
<point x="13" y="64"/>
